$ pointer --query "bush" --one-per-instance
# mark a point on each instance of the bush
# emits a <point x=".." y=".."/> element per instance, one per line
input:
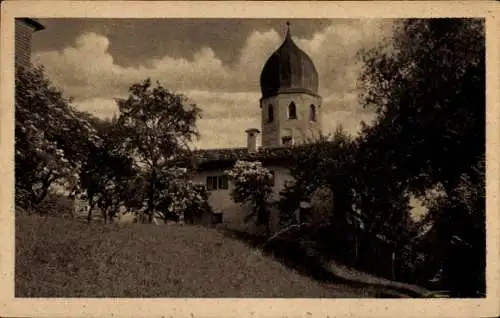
<point x="253" y="185"/>
<point x="181" y="199"/>
<point x="54" y="204"/>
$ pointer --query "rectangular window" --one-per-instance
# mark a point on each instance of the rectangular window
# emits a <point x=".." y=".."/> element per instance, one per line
<point x="217" y="182"/>
<point x="225" y="182"/>
<point x="210" y="185"/>
<point x="219" y="178"/>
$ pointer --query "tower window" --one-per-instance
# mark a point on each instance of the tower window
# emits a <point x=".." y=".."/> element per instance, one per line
<point x="292" y="111"/>
<point x="270" y="113"/>
<point x="312" y="113"/>
<point x="287" y="140"/>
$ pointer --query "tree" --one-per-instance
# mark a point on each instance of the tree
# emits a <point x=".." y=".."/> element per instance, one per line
<point x="181" y="199"/>
<point x="252" y="184"/>
<point x="105" y="174"/>
<point x="322" y="163"/>
<point x="457" y="238"/>
<point x="427" y="86"/>
<point x="157" y="126"/>
<point x="51" y="137"/>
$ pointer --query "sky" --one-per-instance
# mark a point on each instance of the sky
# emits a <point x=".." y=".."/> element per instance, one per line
<point x="214" y="62"/>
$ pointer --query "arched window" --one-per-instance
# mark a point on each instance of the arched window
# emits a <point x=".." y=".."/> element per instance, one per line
<point x="270" y="113"/>
<point x="292" y="111"/>
<point x="312" y="112"/>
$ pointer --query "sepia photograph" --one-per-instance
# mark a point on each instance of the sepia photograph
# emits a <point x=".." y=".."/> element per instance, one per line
<point x="263" y="157"/>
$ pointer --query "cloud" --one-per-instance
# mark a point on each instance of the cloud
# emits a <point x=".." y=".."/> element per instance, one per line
<point x="228" y="94"/>
<point x="257" y="49"/>
<point x="350" y="121"/>
<point x="225" y="132"/>
<point x="334" y="51"/>
<point x="87" y="70"/>
<point x="226" y="104"/>
<point x="100" y="107"/>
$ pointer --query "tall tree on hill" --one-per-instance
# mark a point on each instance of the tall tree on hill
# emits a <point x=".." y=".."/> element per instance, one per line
<point x="157" y="128"/>
<point x="427" y="85"/>
<point x="51" y="137"/>
<point x="104" y="176"/>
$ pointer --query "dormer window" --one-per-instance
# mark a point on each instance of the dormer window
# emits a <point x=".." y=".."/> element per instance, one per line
<point x="270" y="113"/>
<point x="312" y="113"/>
<point x="292" y="111"/>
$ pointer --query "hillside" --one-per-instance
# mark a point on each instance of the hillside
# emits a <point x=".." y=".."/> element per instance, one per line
<point x="67" y="258"/>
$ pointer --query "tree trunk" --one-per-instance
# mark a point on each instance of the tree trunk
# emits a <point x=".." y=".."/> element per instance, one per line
<point x="105" y="215"/>
<point x="89" y="215"/>
<point x="152" y="190"/>
<point x="37" y="198"/>
<point x="263" y="215"/>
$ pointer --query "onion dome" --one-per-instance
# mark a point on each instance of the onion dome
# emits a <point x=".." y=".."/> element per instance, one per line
<point x="289" y="70"/>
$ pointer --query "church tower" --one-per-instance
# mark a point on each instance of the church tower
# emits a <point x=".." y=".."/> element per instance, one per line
<point x="290" y="104"/>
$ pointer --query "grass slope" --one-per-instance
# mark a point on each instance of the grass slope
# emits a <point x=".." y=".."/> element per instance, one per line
<point x="66" y="258"/>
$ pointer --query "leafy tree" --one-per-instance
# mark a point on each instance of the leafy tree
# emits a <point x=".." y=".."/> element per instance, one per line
<point x="51" y="137"/>
<point x="105" y="174"/>
<point x="181" y="199"/>
<point x="252" y="184"/>
<point x="456" y="241"/>
<point x="323" y="163"/>
<point x="427" y="86"/>
<point x="157" y="126"/>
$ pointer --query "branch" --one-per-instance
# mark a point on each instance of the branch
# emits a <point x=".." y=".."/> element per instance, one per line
<point x="46" y="182"/>
<point x="287" y="229"/>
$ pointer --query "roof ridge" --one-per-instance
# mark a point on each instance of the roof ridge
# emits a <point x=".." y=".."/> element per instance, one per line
<point x="219" y="149"/>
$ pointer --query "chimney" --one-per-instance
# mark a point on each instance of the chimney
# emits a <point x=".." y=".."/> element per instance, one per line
<point x="252" y="139"/>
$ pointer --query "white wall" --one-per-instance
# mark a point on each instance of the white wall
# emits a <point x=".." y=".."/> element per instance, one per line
<point x="301" y="128"/>
<point x="221" y="199"/>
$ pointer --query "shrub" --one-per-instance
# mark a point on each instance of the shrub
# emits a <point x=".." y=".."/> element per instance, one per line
<point x="252" y="184"/>
<point x="181" y="199"/>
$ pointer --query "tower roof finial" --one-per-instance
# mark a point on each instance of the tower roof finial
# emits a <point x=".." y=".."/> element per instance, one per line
<point x="288" y="35"/>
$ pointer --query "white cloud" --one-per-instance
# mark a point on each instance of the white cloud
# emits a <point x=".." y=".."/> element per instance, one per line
<point x="226" y="104"/>
<point x="228" y="94"/>
<point x="257" y="49"/>
<point x="225" y="132"/>
<point x="100" y="107"/>
<point x="350" y="121"/>
<point x="334" y="50"/>
<point x="87" y="70"/>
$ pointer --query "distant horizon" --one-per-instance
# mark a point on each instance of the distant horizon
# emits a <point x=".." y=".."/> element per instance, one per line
<point x="214" y="62"/>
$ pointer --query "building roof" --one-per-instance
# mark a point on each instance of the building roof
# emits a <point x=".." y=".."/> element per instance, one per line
<point x="37" y="26"/>
<point x="289" y="70"/>
<point x="225" y="157"/>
